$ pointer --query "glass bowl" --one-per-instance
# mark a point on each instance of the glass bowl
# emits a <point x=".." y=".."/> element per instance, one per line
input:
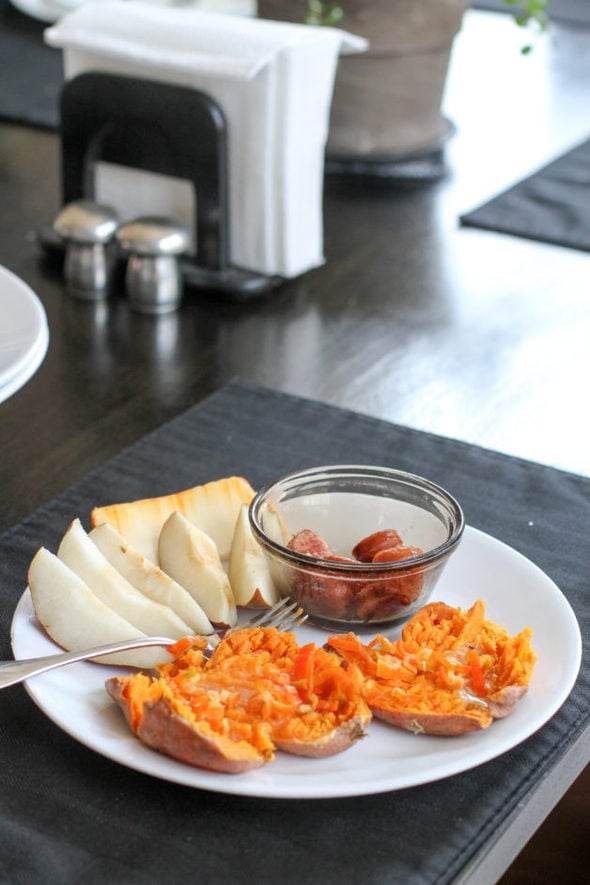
<point x="310" y="522"/>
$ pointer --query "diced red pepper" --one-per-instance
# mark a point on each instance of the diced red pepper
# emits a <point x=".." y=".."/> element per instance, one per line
<point x="476" y="673"/>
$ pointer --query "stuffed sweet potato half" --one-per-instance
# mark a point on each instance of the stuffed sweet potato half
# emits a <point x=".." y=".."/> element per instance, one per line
<point x="451" y="672"/>
<point x="258" y="692"/>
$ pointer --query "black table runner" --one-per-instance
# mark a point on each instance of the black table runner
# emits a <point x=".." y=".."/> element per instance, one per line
<point x="69" y="815"/>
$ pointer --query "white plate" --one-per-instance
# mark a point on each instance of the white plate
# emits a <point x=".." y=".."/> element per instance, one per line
<point x="28" y="370"/>
<point x="24" y="335"/>
<point x="517" y="594"/>
<point x="43" y="10"/>
<point x="52" y="10"/>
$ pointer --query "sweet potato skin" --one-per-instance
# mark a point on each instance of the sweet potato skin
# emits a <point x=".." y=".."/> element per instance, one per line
<point x="114" y="688"/>
<point x="503" y="702"/>
<point x="336" y="741"/>
<point x="442" y="724"/>
<point x="162" y="729"/>
<point x="497" y="706"/>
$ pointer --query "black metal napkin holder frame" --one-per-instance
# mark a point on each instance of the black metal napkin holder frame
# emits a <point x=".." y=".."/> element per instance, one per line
<point x="166" y="129"/>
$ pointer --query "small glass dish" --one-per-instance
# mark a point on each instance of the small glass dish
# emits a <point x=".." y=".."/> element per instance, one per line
<point x="343" y="505"/>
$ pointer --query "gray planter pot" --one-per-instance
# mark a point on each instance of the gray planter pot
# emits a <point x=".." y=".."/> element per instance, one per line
<point x="387" y="101"/>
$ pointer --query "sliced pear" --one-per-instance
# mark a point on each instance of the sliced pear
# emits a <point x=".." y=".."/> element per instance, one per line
<point x="212" y="507"/>
<point x="190" y="557"/>
<point x="75" y="617"/>
<point x="85" y="559"/>
<point x="149" y="579"/>
<point x="249" y="571"/>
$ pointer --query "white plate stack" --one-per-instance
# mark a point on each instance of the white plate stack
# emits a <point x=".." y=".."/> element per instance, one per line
<point x="24" y="335"/>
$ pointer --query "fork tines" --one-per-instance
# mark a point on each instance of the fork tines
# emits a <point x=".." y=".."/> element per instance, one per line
<point x="294" y="619"/>
<point x="285" y="615"/>
<point x="271" y="616"/>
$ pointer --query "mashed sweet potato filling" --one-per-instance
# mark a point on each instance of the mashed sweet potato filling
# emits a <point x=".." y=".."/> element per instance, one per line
<point x="448" y="662"/>
<point x="451" y="672"/>
<point x="258" y="687"/>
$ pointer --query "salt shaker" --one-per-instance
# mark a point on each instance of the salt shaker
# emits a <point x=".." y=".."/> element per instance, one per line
<point x="86" y="229"/>
<point x="152" y="245"/>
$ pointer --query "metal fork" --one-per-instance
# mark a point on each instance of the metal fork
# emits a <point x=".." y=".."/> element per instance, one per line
<point x="285" y="615"/>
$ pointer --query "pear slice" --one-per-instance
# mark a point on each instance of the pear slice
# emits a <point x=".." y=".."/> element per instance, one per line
<point x="190" y="557"/>
<point x="85" y="559"/>
<point x="249" y="571"/>
<point x="149" y="579"/>
<point x="76" y="619"/>
<point x="212" y="507"/>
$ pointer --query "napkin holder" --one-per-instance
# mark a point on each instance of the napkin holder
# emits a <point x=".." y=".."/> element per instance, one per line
<point x="273" y="81"/>
<point x="165" y="129"/>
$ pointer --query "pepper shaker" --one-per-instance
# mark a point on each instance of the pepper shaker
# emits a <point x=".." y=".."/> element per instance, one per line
<point x="153" y="279"/>
<point x="86" y="228"/>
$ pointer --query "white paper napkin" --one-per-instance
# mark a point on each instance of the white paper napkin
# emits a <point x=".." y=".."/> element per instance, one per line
<point x="274" y="83"/>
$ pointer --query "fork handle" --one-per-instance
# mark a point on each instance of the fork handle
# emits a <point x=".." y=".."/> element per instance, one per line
<point x="12" y="672"/>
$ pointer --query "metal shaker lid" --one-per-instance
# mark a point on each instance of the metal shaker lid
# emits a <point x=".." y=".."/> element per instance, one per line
<point x="153" y="235"/>
<point x="84" y="221"/>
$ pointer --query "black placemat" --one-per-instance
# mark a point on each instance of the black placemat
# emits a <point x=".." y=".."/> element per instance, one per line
<point x="551" y="206"/>
<point x="30" y="72"/>
<point x="70" y="815"/>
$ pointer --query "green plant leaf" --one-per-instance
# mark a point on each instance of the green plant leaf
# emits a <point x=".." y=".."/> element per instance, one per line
<point x="324" y="14"/>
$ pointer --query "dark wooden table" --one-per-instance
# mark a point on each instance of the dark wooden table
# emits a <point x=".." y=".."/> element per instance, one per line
<point x="470" y="335"/>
